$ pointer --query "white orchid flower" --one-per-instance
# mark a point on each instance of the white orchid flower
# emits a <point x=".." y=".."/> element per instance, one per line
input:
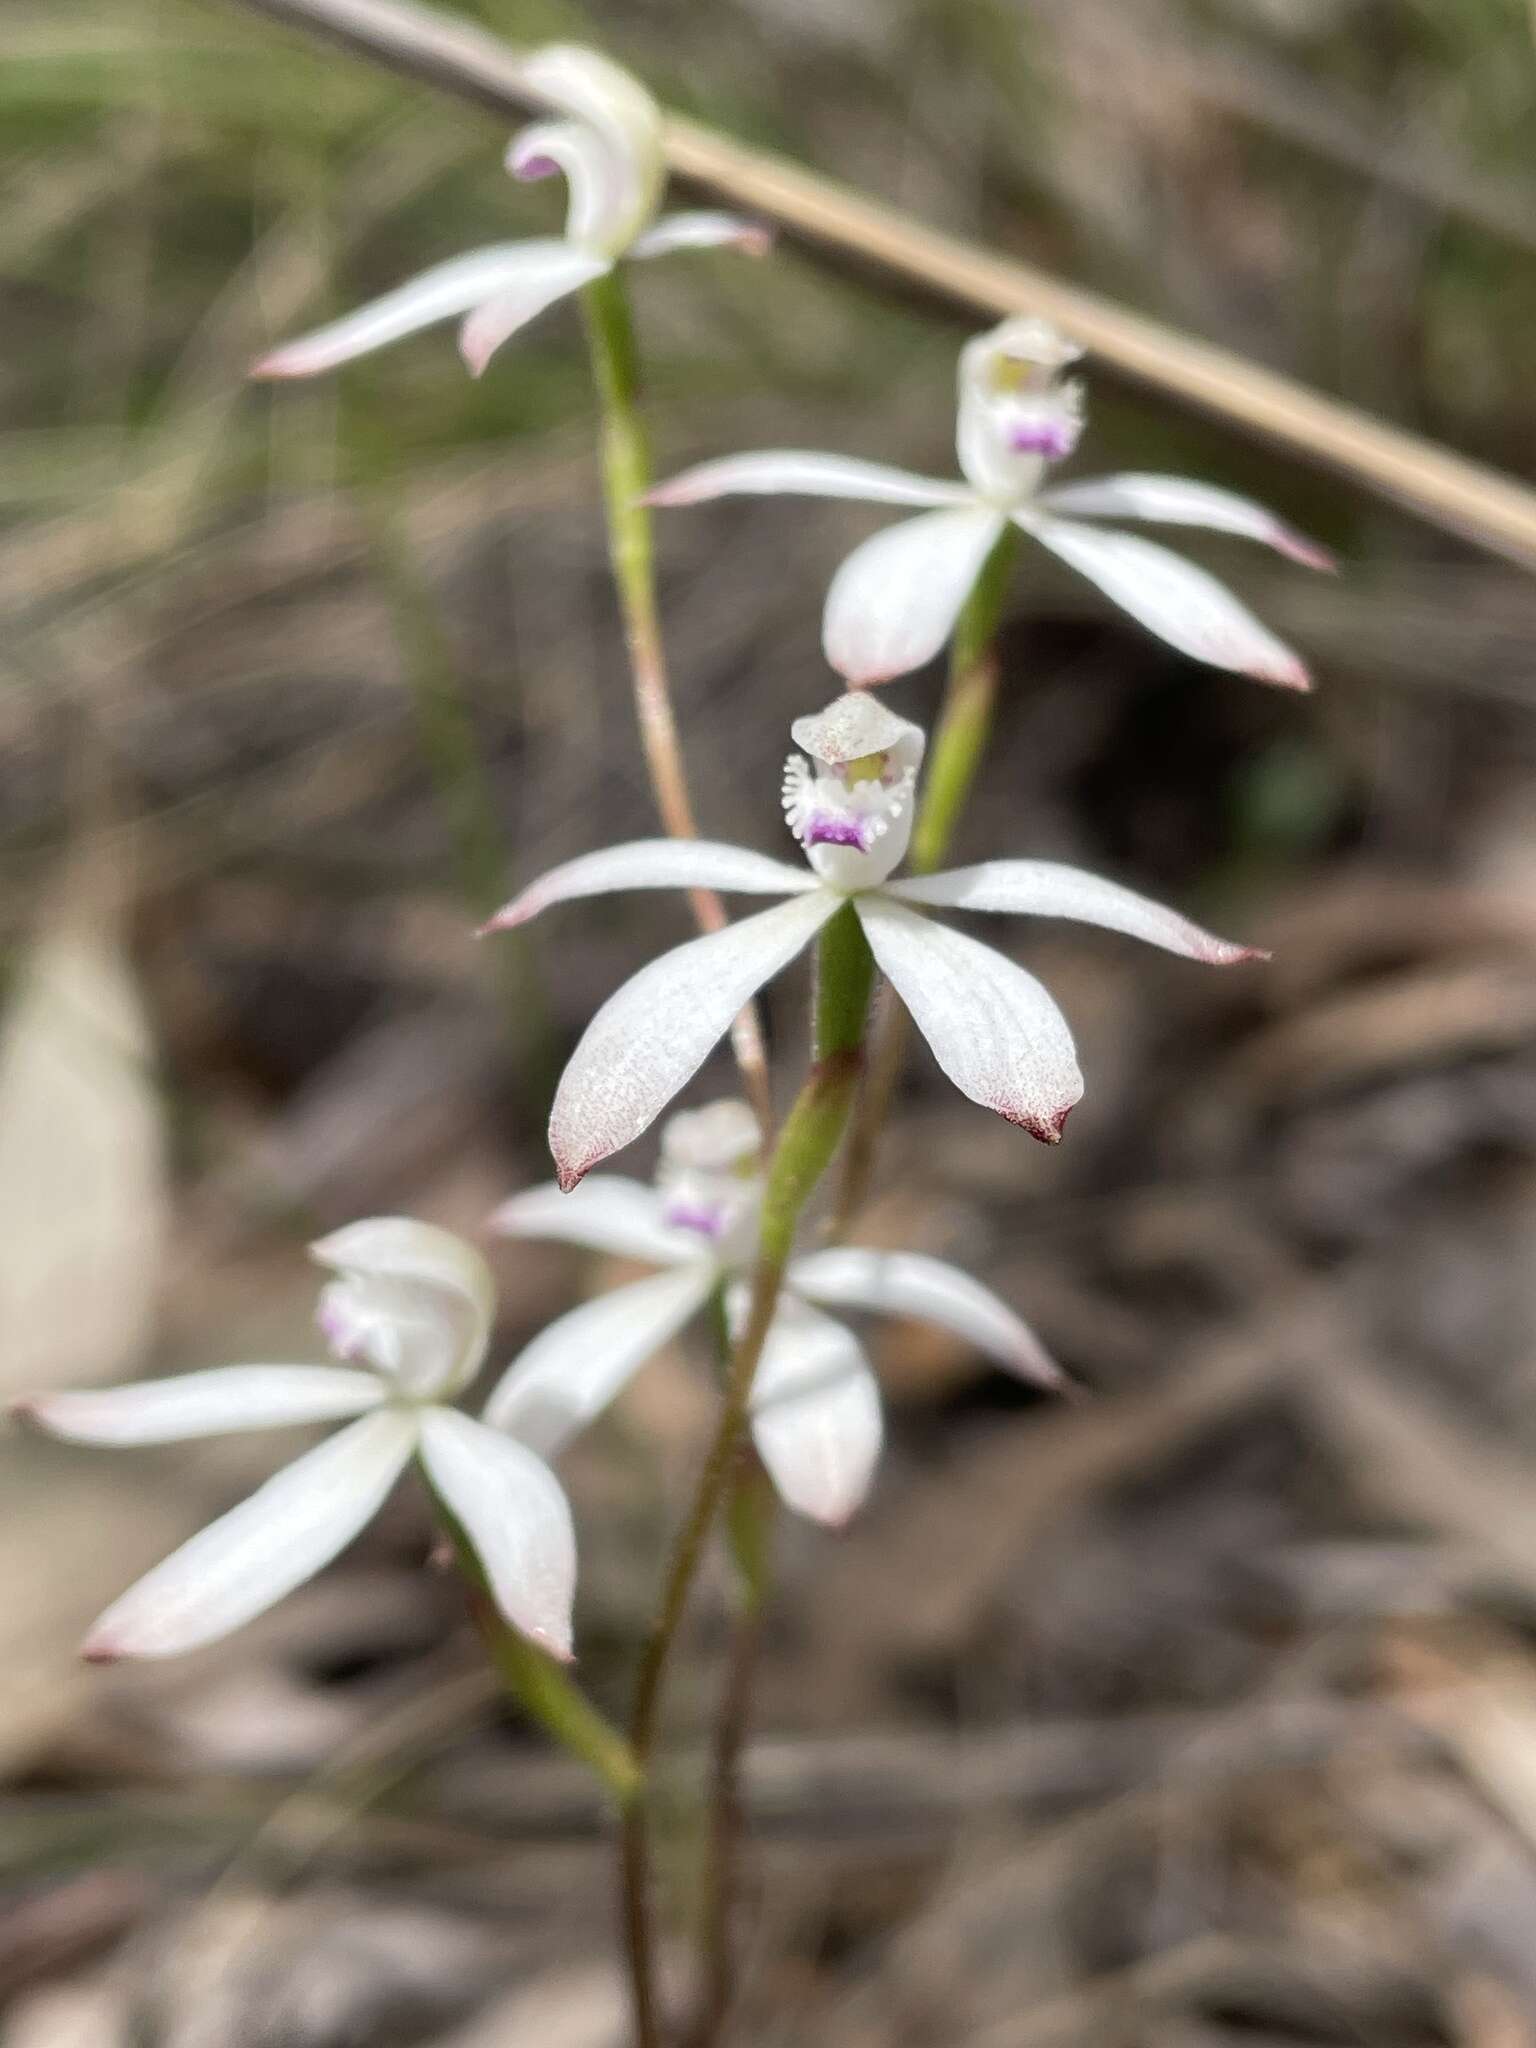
<point x="608" y="148"/>
<point x="993" y="1029"/>
<point x="894" y="601"/>
<point x="410" y="1311"/>
<point x="816" y="1412"/>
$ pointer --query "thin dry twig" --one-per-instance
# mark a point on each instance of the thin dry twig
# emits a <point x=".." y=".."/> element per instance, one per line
<point x="1493" y="511"/>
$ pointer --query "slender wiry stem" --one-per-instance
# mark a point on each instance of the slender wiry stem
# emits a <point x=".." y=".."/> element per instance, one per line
<point x="626" y="478"/>
<point x="959" y="741"/>
<point x="751" y="1517"/>
<point x="806" y="1143"/>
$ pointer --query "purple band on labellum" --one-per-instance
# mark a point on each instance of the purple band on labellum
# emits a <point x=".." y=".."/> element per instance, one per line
<point x="683" y="1216"/>
<point x="339" y="1330"/>
<point x="1043" y="437"/>
<point x="532" y="168"/>
<point x="826" y="831"/>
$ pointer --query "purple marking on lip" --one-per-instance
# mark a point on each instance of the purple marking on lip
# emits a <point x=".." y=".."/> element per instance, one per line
<point x="341" y="1333"/>
<point x="683" y="1216"/>
<point x="532" y="168"/>
<point x="835" y="832"/>
<point x="1043" y="437"/>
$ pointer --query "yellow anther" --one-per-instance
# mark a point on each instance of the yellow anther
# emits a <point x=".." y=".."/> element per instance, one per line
<point x="867" y="768"/>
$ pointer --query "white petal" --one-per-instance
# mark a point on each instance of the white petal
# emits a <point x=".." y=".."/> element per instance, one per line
<point x="246" y="1561"/>
<point x="1180" y="501"/>
<point x="796" y="472"/>
<point x="1047" y="888"/>
<point x="204" y="1404"/>
<point x="894" y="602"/>
<point x="1173" y="599"/>
<point x="703" y="231"/>
<point x="514" y="1511"/>
<point x="816" y="1417"/>
<point x="911" y="1284"/>
<point x="655" y="1033"/>
<point x="438" y="294"/>
<point x="607" y="1213"/>
<point x="993" y="1029"/>
<point x="552" y="270"/>
<point x="656" y="864"/>
<point x="437" y="1279"/>
<point x="571" y="1371"/>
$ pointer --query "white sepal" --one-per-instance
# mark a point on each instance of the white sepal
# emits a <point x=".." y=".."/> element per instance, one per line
<point x="579" y="1363"/>
<point x="550" y="271"/>
<point x="514" y="1512"/>
<point x="816" y="1414"/>
<point x="250" y="1558"/>
<point x="607" y="1213"/>
<point x="655" y="864"/>
<point x="1048" y="888"/>
<point x="703" y="231"/>
<point x="1171" y="598"/>
<point x="1181" y="501"/>
<point x="653" y="1035"/>
<point x="894" y="601"/>
<point x="993" y="1029"/>
<point x="912" y="1284"/>
<point x="232" y="1397"/>
<point x="799" y="472"/>
<point x="440" y="293"/>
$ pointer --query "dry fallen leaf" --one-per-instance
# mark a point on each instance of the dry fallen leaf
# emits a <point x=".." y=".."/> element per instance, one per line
<point x="83" y="1197"/>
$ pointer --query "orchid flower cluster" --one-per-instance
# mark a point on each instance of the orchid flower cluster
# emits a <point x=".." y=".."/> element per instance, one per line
<point x="408" y="1311"/>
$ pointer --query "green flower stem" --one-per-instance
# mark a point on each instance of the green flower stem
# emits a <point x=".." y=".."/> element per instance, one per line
<point x="809" y="1136"/>
<point x="541" y="1686"/>
<point x="959" y="741"/>
<point x="626" y="463"/>
<point x="965" y="716"/>
<point x="751" y="1520"/>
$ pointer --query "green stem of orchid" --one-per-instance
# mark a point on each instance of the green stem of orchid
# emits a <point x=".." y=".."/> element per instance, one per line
<point x="626" y="463"/>
<point x="541" y="1686"/>
<point x="965" y="716"/>
<point x="959" y="742"/>
<point x="845" y="974"/>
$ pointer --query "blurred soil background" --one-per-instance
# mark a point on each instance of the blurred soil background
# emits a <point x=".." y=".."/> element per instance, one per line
<point x="1200" y="1713"/>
